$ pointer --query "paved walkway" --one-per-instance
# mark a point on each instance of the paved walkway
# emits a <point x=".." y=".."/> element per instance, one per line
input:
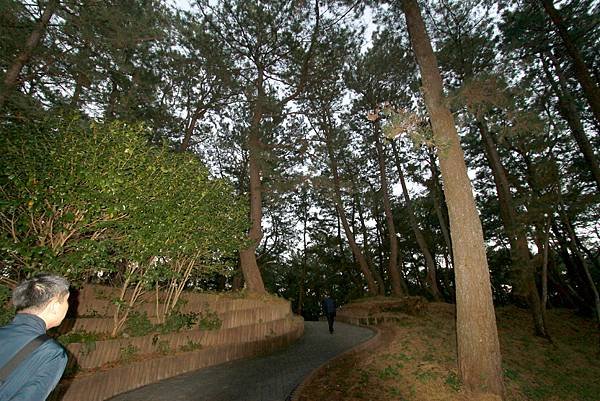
<point x="268" y="378"/>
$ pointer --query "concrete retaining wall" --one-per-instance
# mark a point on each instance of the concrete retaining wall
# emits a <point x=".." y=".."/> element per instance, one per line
<point x="95" y="300"/>
<point x="239" y="315"/>
<point x="249" y="327"/>
<point x="105" y="384"/>
<point x="100" y="353"/>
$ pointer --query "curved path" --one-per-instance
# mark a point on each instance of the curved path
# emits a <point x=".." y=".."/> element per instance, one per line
<point x="267" y="378"/>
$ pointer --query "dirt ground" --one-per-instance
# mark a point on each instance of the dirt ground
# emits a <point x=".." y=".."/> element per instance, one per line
<point x="415" y="360"/>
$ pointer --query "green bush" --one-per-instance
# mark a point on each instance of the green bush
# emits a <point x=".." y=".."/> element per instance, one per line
<point x="209" y="320"/>
<point x="86" y="338"/>
<point x="138" y="324"/>
<point x="83" y="199"/>
<point x="78" y="337"/>
<point x="178" y="321"/>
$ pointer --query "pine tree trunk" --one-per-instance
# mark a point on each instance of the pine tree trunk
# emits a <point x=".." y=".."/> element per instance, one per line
<point x="545" y="257"/>
<point x="363" y="227"/>
<point x="12" y="74"/>
<point x="573" y="299"/>
<point x="573" y="266"/>
<point x="430" y="263"/>
<point x="304" y="258"/>
<point x="362" y="261"/>
<point x="590" y="89"/>
<point x="252" y="276"/>
<point x="402" y="274"/>
<point x="583" y="262"/>
<point x="569" y="112"/>
<point x="573" y="269"/>
<point x="189" y="129"/>
<point x="391" y="229"/>
<point x="112" y="100"/>
<point x="479" y="358"/>
<point x="522" y="264"/>
<point x="74" y="103"/>
<point x="358" y="283"/>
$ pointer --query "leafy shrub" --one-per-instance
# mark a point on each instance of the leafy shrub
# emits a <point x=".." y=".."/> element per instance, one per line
<point x="138" y="324"/>
<point x="78" y="337"/>
<point x="209" y="320"/>
<point x="111" y="199"/>
<point x="178" y="321"/>
<point x="87" y="339"/>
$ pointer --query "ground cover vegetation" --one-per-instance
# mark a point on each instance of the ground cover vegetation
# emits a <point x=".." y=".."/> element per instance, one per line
<point x="447" y="149"/>
<point x="415" y="360"/>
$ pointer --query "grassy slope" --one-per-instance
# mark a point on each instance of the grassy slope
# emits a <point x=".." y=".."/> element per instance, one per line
<point x="416" y="361"/>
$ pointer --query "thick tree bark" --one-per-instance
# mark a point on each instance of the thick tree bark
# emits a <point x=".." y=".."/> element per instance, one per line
<point x="569" y="112"/>
<point x="252" y="276"/>
<point x="362" y="261"/>
<point x="12" y="74"/>
<point x="479" y="358"/>
<point x="522" y="264"/>
<point x="590" y="89"/>
<point x="430" y="263"/>
<point x="391" y="229"/>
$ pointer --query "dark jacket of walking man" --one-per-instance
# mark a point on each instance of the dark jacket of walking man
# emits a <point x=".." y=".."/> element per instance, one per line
<point x="329" y="311"/>
<point x="41" y="303"/>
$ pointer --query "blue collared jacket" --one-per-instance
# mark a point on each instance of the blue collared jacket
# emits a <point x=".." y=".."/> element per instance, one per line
<point x="40" y="372"/>
<point x="328" y="306"/>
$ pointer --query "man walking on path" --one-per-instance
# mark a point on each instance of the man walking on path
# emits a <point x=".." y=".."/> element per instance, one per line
<point x="41" y="303"/>
<point x="329" y="311"/>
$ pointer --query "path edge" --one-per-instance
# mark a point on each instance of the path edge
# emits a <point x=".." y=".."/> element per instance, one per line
<point x="375" y="340"/>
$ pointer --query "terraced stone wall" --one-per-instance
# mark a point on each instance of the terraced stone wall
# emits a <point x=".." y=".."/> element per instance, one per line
<point x="249" y="327"/>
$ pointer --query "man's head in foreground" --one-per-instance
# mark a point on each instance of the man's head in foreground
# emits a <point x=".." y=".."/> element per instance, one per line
<point x="45" y="296"/>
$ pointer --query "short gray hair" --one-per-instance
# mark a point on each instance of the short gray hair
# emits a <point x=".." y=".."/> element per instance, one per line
<point x="38" y="290"/>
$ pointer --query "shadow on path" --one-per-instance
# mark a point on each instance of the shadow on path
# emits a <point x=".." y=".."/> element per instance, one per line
<point x="267" y="378"/>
